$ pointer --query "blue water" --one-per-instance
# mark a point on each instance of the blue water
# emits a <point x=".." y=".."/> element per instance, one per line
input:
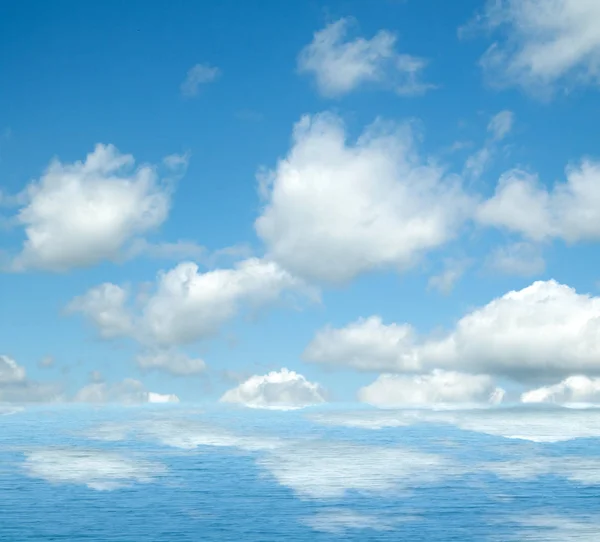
<point x="192" y="474"/>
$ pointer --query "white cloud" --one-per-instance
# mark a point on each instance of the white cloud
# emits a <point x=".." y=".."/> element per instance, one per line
<point x="328" y="469"/>
<point x="186" y="306"/>
<point x="10" y="371"/>
<point x="128" y="392"/>
<point x="438" y="387"/>
<point x="335" y="210"/>
<point x="544" y="331"/>
<point x="545" y="44"/>
<point x="521" y="259"/>
<point x="451" y="274"/>
<point x="574" y="389"/>
<point x="501" y="124"/>
<point x="555" y="528"/>
<point x="570" y="210"/>
<point x="171" y="361"/>
<point x="341" y="65"/>
<point x="15" y="387"/>
<point x="79" y="214"/>
<point x="276" y="390"/>
<point x="105" y="306"/>
<point x="366" y="345"/>
<point x="498" y="128"/>
<point x="200" y="74"/>
<point x="99" y="470"/>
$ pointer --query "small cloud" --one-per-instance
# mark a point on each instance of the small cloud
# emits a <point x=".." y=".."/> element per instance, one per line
<point x="200" y="74"/>
<point x="46" y="362"/>
<point x="518" y="259"/>
<point x="276" y="390"/>
<point x="127" y="392"/>
<point x="445" y="281"/>
<point x="341" y="65"/>
<point x="501" y="124"/>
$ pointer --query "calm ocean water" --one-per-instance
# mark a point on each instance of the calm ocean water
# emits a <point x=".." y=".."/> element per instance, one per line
<point x="193" y="474"/>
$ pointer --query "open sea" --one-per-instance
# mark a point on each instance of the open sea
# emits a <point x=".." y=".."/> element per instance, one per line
<point x="182" y="473"/>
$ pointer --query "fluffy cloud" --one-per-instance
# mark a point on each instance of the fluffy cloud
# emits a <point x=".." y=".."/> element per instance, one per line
<point x="186" y="305"/>
<point x="438" y="387"/>
<point x="79" y="214"/>
<point x="99" y="470"/>
<point x="366" y="206"/>
<point x="105" y="306"/>
<point x="200" y="74"/>
<point x="367" y="345"/>
<point x="546" y="43"/>
<point x="128" y="392"/>
<point x="574" y="389"/>
<point x="570" y="210"/>
<point x="277" y="390"/>
<point x="541" y="332"/>
<point x="340" y="65"/>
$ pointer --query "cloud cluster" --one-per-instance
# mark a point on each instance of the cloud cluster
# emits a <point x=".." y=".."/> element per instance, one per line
<point x="79" y="214"/>
<point x="437" y="388"/>
<point x="281" y="390"/>
<point x="185" y="306"/>
<point x="341" y="65"/>
<point x="569" y="211"/>
<point x="541" y="332"/>
<point x="368" y="205"/>
<point x="544" y="44"/>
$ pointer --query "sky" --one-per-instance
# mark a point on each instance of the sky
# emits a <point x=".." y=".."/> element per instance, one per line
<point x="278" y="204"/>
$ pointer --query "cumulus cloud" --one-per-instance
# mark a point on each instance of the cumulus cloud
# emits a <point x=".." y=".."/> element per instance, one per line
<point x="105" y="306"/>
<point x="198" y="75"/>
<point x="569" y="211"/>
<point x="99" y="470"/>
<point x="128" y="392"/>
<point x="276" y="390"/>
<point x="544" y="44"/>
<point x="366" y="205"/>
<point x="185" y="306"/>
<point x="81" y="213"/>
<point x="341" y="65"/>
<point x="541" y="332"/>
<point x="438" y="387"/>
<point x="367" y="345"/>
<point x="520" y="259"/>
<point x="574" y="389"/>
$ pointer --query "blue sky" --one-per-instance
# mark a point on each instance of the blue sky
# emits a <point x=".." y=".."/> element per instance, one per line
<point x="428" y="218"/>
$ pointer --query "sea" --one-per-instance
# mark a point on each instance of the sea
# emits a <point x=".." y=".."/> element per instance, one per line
<point x="188" y="473"/>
